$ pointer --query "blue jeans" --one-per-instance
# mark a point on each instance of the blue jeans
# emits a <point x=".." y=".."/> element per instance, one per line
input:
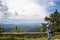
<point x="49" y="36"/>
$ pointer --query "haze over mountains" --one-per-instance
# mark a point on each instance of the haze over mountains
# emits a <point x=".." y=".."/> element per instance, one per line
<point x="27" y="27"/>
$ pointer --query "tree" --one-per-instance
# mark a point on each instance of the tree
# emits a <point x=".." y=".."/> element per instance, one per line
<point x="1" y="29"/>
<point x="16" y="29"/>
<point x="55" y="19"/>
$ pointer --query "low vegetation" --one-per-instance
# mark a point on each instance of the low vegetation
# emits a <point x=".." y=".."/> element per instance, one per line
<point x="26" y="38"/>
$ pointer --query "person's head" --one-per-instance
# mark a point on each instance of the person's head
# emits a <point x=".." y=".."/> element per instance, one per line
<point x="49" y="22"/>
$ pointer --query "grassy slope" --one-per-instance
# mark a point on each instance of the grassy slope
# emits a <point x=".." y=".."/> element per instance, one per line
<point x="43" y="38"/>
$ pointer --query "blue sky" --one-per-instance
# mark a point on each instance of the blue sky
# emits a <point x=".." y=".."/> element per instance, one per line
<point x="28" y="11"/>
<point x="56" y="6"/>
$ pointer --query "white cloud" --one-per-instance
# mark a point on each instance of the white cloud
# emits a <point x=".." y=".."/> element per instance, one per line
<point x="46" y="3"/>
<point x="28" y="9"/>
<point x="1" y="15"/>
<point x="51" y="3"/>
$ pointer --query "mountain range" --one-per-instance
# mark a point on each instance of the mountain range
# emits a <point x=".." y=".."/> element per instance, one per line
<point x="26" y="27"/>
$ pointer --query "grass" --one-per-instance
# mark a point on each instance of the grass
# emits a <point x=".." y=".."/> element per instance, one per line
<point x="24" y="38"/>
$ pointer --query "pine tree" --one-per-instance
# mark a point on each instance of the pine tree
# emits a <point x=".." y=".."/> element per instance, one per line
<point x="16" y="29"/>
<point x="55" y="19"/>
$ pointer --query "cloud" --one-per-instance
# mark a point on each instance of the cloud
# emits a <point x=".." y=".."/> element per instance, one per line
<point x="51" y="3"/>
<point x="28" y="10"/>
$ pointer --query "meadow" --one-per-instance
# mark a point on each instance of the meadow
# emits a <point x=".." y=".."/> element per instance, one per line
<point x="55" y="37"/>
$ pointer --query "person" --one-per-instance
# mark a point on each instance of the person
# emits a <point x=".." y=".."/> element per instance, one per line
<point x="49" y="30"/>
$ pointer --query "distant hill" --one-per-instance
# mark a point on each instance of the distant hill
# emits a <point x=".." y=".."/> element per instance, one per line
<point x="30" y="27"/>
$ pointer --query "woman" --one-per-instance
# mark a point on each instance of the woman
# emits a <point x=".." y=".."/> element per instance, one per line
<point x="49" y="30"/>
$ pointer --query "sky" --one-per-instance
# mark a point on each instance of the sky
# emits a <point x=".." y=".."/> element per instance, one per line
<point x="28" y="11"/>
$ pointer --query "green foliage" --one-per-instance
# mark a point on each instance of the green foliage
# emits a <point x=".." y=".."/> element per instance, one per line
<point x="24" y="38"/>
<point x="1" y="29"/>
<point x="56" y="37"/>
<point x="5" y="38"/>
<point x="47" y="18"/>
<point x="55" y="19"/>
<point x="16" y="29"/>
<point x="42" y="28"/>
<point x="11" y="38"/>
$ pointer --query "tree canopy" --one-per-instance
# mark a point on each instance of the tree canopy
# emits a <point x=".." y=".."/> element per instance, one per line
<point x="55" y="19"/>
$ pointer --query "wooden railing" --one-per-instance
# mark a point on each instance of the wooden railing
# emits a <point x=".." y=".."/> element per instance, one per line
<point x="26" y="33"/>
